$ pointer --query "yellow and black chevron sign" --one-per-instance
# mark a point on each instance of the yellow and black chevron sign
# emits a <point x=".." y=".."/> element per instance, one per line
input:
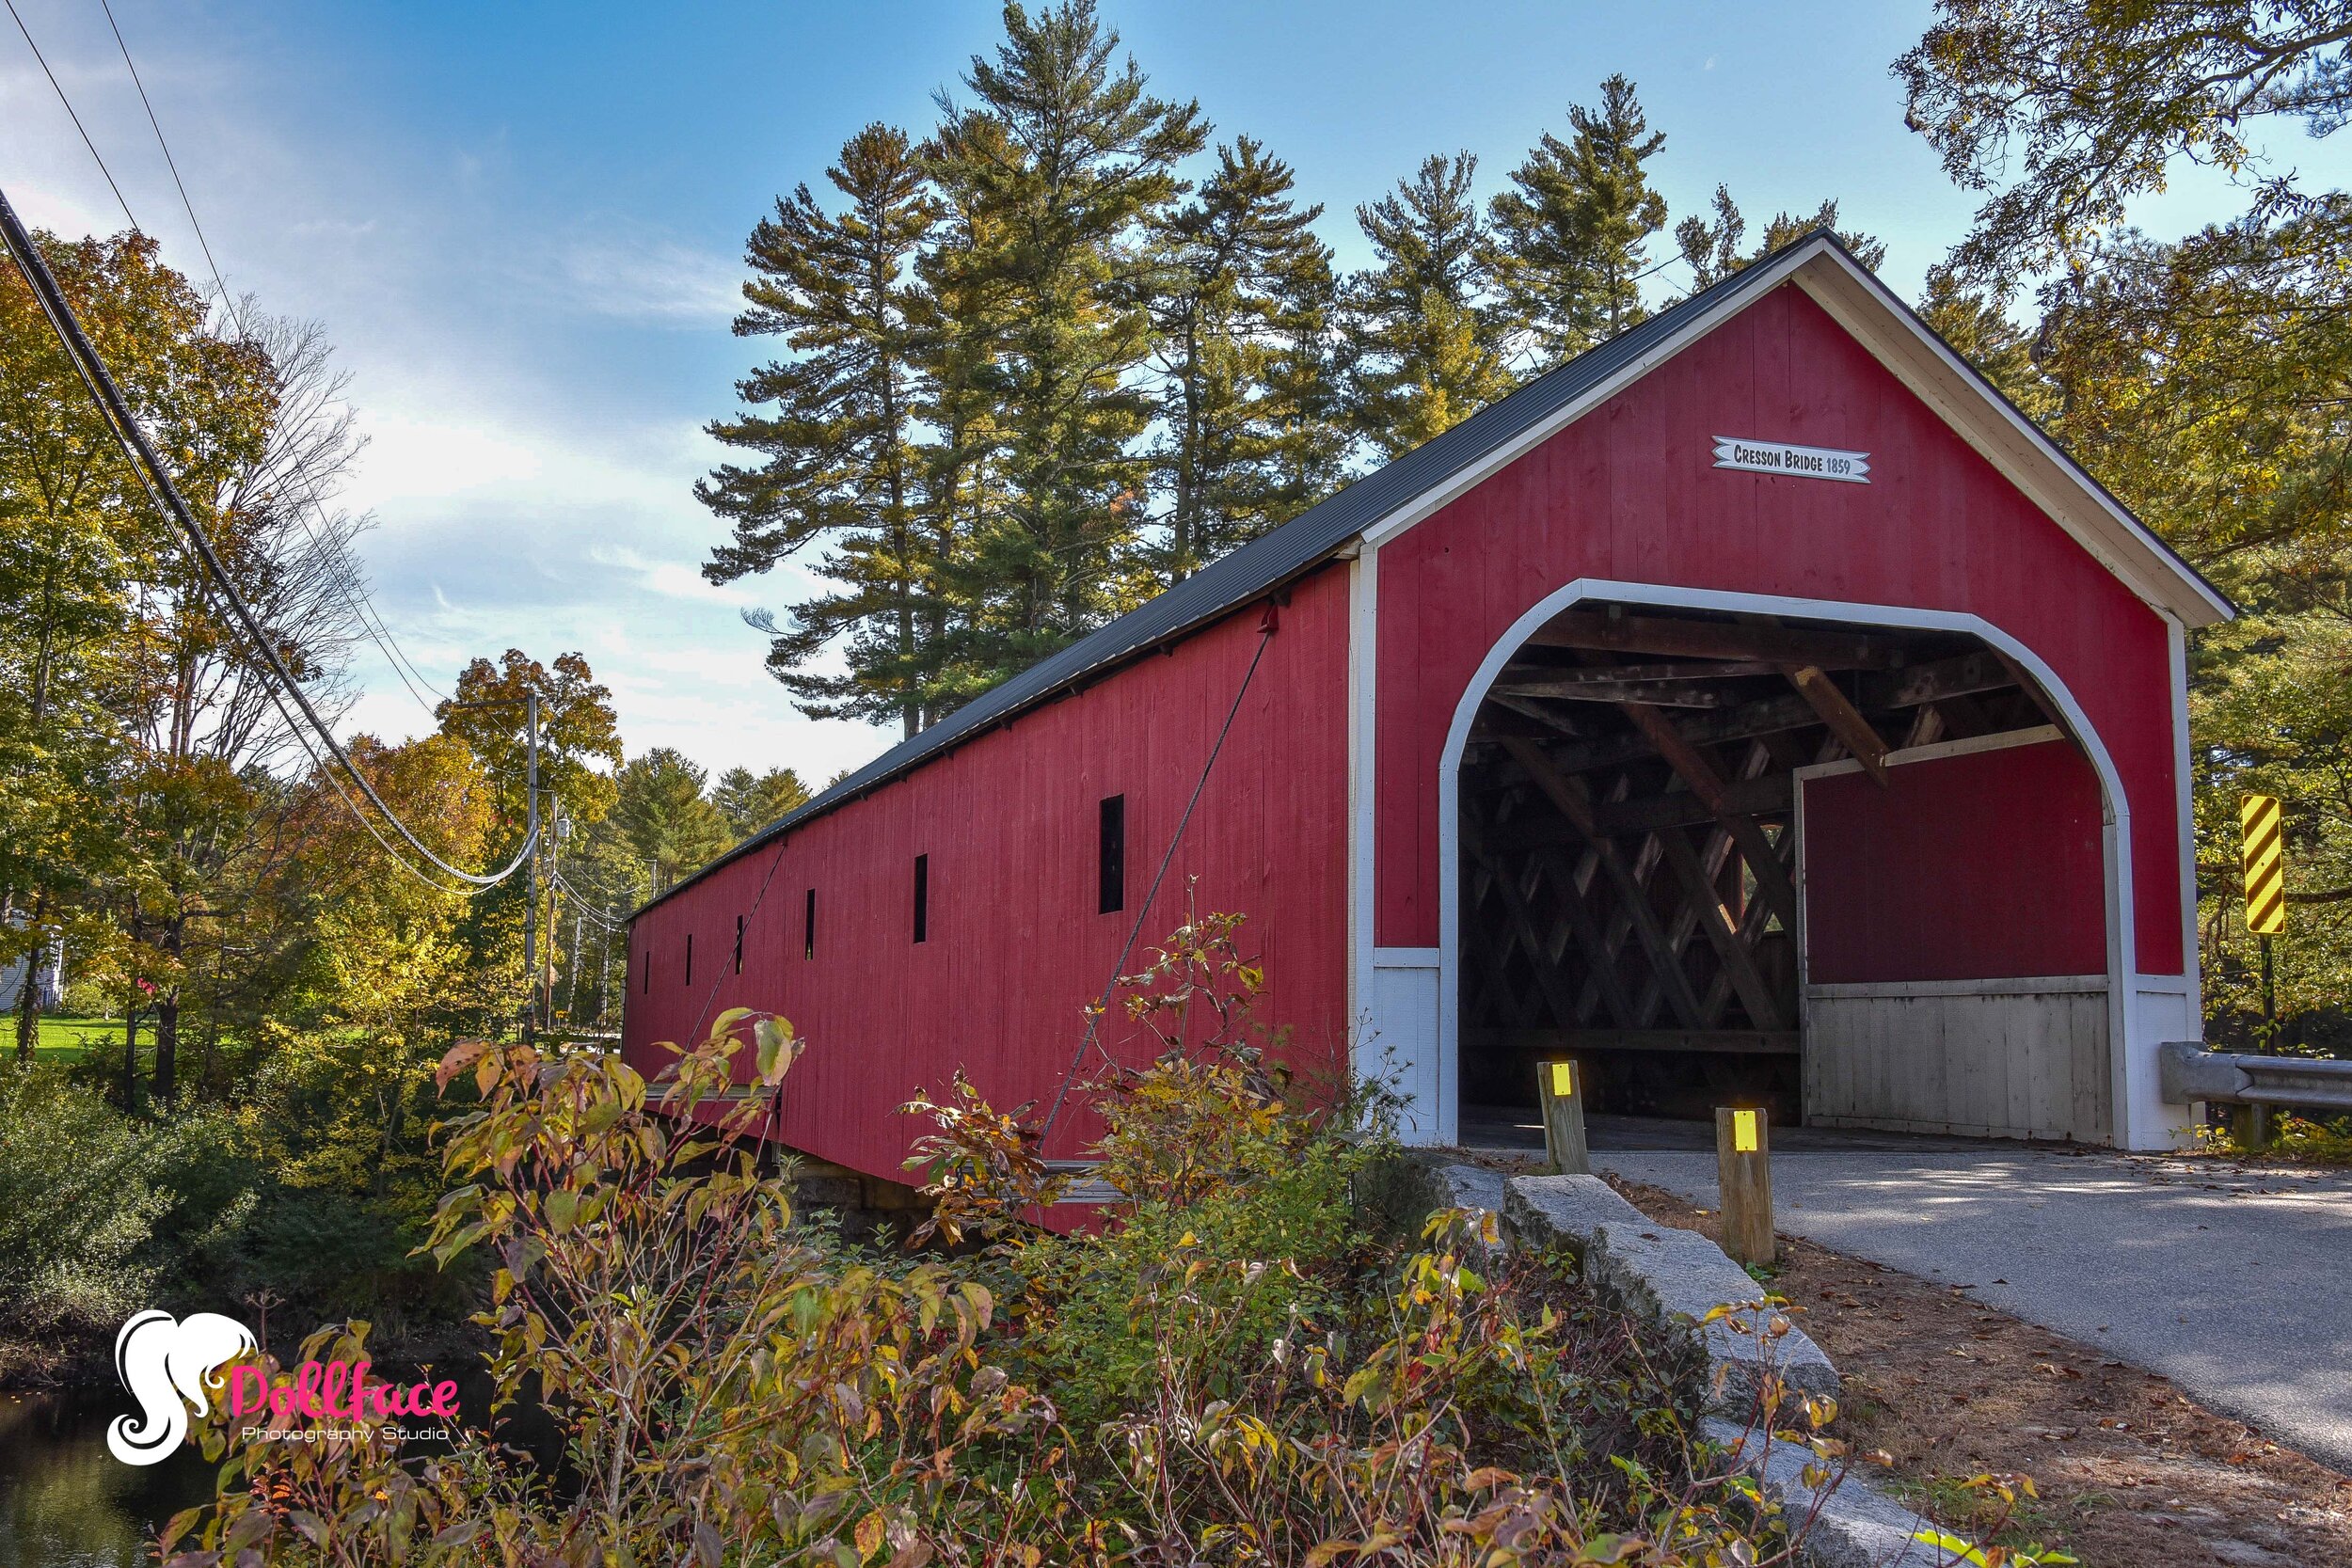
<point x="2266" y="866"/>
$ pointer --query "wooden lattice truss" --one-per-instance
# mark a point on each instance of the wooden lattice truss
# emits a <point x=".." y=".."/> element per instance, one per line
<point x="1626" y="797"/>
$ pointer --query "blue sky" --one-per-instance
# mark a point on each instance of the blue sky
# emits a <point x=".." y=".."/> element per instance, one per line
<point x="521" y="225"/>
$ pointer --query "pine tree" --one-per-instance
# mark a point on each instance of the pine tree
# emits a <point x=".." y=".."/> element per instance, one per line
<point x="1232" y="271"/>
<point x="1312" y="433"/>
<point x="964" y="317"/>
<point x="1078" y="157"/>
<point x="1570" y="234"/>
<point x="841" y="465"/>
<point x="1425" y="341"/>
<point x="1712" y="247"/>
<point x="750" y="801"/>
<point x="1788" y="228"/>
<point x="664" y="816"/>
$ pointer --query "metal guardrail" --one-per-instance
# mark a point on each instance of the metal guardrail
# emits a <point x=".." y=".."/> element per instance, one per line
<point x="2187" y="1071"/>
<point x="1085" y="1186"/>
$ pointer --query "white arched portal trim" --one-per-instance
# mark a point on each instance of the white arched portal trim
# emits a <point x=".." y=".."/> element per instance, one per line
<point x="1431" y="1046"/>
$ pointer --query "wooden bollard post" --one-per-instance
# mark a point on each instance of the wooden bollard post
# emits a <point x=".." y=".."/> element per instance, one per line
<point x="1744" y="1170"/>
<point x="1559" y="1091"/>
<point x="2249" y="1128"/>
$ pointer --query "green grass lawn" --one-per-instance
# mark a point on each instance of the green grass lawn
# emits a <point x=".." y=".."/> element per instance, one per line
<point x="67" y="1039"/>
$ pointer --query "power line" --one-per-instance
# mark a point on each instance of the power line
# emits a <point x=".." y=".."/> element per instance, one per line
<point x="586" y="906"/>
<point x="346" y="581"/>
<point x="752" y="913"/>
<point x="389" y="848"/>
<point x="369" y="622"/>
<point x="277" y="701"/>
<point x="71" y="114"/>
<point x="166" y="496"/>
<point x="168" y="160"/>
<point x="1143" y="912"/>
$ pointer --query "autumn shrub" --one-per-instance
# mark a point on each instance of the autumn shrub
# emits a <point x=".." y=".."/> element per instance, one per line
<point x="1218" y="1154"/>
<point x="335" y="1121"/>
<point x="101" y="1212"/>
<point x="1225" y="1372"/>
<point x="724" y="1384"/>
<point x="2301" y="1139"/>
<point x="78" y="1200"/>
<point x="1244" y="1377"/>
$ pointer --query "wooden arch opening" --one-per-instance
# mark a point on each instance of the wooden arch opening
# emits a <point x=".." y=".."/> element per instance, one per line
<point x="1632" y="896"/>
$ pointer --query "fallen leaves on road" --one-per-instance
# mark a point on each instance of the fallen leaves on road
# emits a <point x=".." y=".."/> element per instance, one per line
<point x="2130" y="1471"/>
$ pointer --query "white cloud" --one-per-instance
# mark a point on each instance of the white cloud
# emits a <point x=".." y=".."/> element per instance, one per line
<point x="668" y="579"/>
<point x="408" y="457"/>
<point x="652" y="281"/>
<point x="61" y="212"/>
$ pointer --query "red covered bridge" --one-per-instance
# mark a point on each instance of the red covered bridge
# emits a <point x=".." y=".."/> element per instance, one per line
<point x="1757" y="705"/>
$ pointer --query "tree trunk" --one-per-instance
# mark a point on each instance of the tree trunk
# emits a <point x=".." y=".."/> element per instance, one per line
<point x="166" y="1083"/>
<point x="28" y="994"/>
<point x="131" y="1058"/>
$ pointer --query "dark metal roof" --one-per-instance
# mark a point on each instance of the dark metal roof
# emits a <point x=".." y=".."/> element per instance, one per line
<point x="1281" y="555"/>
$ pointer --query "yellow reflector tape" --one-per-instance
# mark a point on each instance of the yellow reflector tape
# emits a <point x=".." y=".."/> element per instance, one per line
<point x="1563" y="1080"/>
<point x="1743" y="1139"/>
<point x="2264" y="857"/>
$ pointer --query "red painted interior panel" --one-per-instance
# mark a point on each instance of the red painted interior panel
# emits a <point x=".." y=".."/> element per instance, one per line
<point x="1629" y="492"/>
<point x="1017" y="949"/>
<point x="1978" y="867"/>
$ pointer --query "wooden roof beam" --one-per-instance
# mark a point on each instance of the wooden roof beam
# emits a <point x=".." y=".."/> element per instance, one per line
<point x="1948" y="683"/>
<point x="1745" y="722"/>
<point x="1556" y="723"/>
<point x="1672" y="638"/>
<point x="1772" y="794"/>
<point x="1844" y="720"/>
<point x="1585" y="688"/>
<point x="2032" y="689"/>
<point x="1983" y="671"/>
<point x="1689" y="670"/>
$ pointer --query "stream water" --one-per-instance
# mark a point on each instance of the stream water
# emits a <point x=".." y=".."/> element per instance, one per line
<point x="65" y="1501"/>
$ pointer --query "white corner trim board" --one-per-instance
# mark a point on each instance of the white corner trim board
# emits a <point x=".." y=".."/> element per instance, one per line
<point x="1401" y="1048"/>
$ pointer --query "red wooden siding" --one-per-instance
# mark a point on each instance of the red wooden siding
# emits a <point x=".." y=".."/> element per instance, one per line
<point x="1016" y="948"/>
<point x="1629" y="492"/>
<point x="1986" y="866"/>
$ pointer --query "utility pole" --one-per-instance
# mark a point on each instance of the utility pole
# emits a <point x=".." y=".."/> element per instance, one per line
<point x="604" y="965"/>
<point x="571" y="983"/>
<point x="530" y="909"/>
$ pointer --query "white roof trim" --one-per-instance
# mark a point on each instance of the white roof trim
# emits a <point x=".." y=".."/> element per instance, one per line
<point x="1875" y="318"/>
